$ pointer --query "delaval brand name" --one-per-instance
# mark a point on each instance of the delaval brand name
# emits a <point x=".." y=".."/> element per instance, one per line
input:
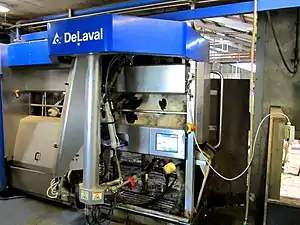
<point x="78" y="37"/>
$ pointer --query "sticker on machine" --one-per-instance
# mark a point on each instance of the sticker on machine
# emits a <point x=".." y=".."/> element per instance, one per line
<point x="97" y="196"/>
<point x="84" y="195"/>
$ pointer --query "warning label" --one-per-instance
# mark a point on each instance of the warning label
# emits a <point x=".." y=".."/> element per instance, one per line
<point x="97" y="196"/>
<point x="84" y="195"/>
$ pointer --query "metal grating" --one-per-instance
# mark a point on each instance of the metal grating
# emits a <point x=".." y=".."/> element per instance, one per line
<point x="130" y="165"/>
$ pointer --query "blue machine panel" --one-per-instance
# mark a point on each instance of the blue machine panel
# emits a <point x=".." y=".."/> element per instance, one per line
<point x="125" y="34"/>
<point x="28" y="53"/>
<point x="34" y="36"/>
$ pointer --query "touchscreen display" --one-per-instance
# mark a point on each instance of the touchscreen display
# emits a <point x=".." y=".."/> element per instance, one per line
<point x="167" y="143"/>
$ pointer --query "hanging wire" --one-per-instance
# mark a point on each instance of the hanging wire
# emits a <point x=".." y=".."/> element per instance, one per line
<point x="296" y="50"/>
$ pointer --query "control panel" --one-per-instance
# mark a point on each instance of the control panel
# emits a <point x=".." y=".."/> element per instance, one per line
<point x="154" y="141"/>
<point x="167" y="142"/>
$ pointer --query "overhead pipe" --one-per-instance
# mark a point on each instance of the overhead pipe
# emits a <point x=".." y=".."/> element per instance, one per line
<point x="229" y="60"/>
<point x="230" y="54"/>
<point x="100" y="10"/>
<point x="6" y="24"/>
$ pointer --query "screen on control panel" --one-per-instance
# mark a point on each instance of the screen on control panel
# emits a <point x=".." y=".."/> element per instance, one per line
<point x="167" y="143"/>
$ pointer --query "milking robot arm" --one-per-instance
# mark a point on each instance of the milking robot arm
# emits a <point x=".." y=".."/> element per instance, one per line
<point x="109" y="119"/>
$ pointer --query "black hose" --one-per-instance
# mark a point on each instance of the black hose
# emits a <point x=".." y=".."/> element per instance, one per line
<point x="157" y="197"/>
<point x="106" y="219"/>
<point x="296" y="50"/>
<point x="110" y="65"/>
<point x="111" y="213"/>
<point x="87" y="218"/>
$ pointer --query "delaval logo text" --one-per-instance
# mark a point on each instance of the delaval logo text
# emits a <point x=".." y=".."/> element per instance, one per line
<point x="78" y="37"/>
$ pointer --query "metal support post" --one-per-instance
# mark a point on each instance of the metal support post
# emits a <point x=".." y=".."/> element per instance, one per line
<point x="2" y="150"/>
<point x="18" y="35"/>
<point x="198" y="105"/>
<point x="91" y="133"/>
<point x="89" y="190"/>
<point x="190" y="162"/>
<point x="189" y="178"/>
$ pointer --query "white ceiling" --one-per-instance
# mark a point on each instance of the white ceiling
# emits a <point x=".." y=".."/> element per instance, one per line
<point x="229" y="37"/>
<point x="33" y="8"/>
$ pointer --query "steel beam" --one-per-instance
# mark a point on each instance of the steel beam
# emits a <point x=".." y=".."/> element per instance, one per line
<point x="232" y="24"/>
<point x="227" y="9"/>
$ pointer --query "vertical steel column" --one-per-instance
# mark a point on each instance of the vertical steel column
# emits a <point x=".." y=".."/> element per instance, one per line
<point x="2" y="150"/>
<point x="18" y="35"/>
<point x="190" y="162"/>
<point x="189" y="178"/>
<point x="198" y="106"/>
<point x="92" y="129"/>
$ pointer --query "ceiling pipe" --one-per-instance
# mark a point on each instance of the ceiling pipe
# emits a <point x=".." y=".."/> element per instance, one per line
<point x="229" y="57"/>
<point x="230" y="60"/>
<point x="6" y="24"/>
<point x="101" y="10"/>
<point x="229" y="54"/>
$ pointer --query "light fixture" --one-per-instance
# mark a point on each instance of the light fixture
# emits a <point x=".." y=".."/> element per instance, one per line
<point x="3" y="9"/>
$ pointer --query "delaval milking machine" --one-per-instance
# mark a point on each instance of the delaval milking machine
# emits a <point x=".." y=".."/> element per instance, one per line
<point x="110" y="120"/>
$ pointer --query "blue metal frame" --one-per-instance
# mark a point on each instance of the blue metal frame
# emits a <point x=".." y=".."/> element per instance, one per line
<point x="35" y="51"/>
<point x="126" y="34"/>
<point x="228" y="9"/>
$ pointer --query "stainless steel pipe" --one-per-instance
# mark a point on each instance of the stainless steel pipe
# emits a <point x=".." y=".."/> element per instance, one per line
<point x="46" y="105"/>
<point x="92" y="129"/>
<point x="221" y="105"/>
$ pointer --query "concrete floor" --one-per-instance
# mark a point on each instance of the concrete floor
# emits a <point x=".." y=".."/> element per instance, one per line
<point x="27" y="211"/>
